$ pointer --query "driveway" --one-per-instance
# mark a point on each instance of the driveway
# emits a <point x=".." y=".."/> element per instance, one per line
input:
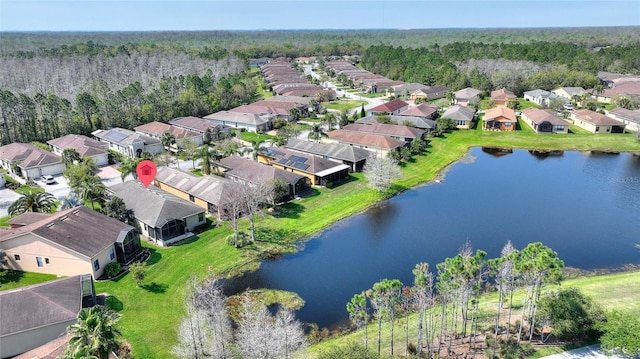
<point x="590" y="352"/>
<point x="7" y="197"/>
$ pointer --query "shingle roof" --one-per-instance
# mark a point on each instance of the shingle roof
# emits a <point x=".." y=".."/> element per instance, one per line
<point x="459" y="113"/>
<point x="246" y="118"/>
<point x="629" y="115"/>
<point x="294" y="99"/>
<point x="152" y="205"/>
<point x="571" y="90"/>
<point x="390" y="106"/>
<point x="300" y="161"/>
<point x="84" y="145"/>
<point x="262" y="109"/>
<point x="79" y="229"/>
<point x="195" y="124"/>
<point x="596" y="118"/>
<point x="28" y="155"/>
<point x="427" y="90"/>
<point x="418" y="122"/>
<point x="422" y="110"/>
<point x="123" y="137"/>
<point x="467" y="93"/>
<point x="28" y="218"/>
<point x="366" y="139"/>
<point x="332" y="150"/>
<point x="156" y="128"/>
<point x="208" y="188"/>
<point x="502" y="95"/>
<point x="40" y="304"/>
<point x="252" y="171"/>
<point x="539" y="116"/>
<point x="493" y="114"/>
<point x="627" y="88"/>
<point x="385" y="129"/>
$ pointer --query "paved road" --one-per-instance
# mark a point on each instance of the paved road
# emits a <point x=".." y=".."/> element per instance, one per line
<point x="590" y="352"/>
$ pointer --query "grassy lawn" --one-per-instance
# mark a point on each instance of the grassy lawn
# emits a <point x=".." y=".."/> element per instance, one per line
<point x="25" y="189"/>
<point x="344" y="104"/>
<point x="372" y="95"/>
<point x="253" y="137"/>
<point x="14" y="279"/>
<point x="151" y="314"/>
<point x="4" y="221"/>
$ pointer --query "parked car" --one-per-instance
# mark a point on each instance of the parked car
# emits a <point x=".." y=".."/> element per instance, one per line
<point x="568" y="107"/>
<point x="48" y="179"/>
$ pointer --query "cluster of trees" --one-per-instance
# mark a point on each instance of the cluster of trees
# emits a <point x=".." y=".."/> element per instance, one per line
<point x="206" y="329"/>
<point x="456" y="289"/>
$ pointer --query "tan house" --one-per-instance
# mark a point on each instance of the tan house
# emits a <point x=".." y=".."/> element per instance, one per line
<point x="157" y="129"/>
<point x="500" y="119"/>
<point x="467" y="96"/>
<point x="596" y="123"/>
<point x="429" y="93"/>
<point x="29" y="161"/>
<point x="544" y="121"/>
<point x="630" y="118"/>
<point x="502" y="97"/>
<point x="319" y="171"/>
<point x="569" y="92"/>
<point x="71" y="242"/>
<point x="376" y="143"/>
<point x="85" y="146"/>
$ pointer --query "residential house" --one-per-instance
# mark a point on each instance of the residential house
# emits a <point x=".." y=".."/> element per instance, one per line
<point x="268" y="109"/>
<point x="398" y="132"/>
<point x="630" y="89"/>
<point x="200" y="125"/>
<point x="502" y="97"/>
<point x="208" y="192"/>
<point x="160" y="216"/>
<point x="249" y="121"/>
<point x="128" y="143"/>
<point x="422" y="123"/>
<point x="467" y="96"/>
<point x="70" y="242"/>
<point x="429" y="93"/>
<point x="463" y="116"/>
<point x="422" y="110"/>
<point x="319" y="171"/>
<point x="500" y="118"/>
<point x="613" y="79"/>
<point x="596" y="123"/>
<point x="157" y="129"/>
<point x="542" y="97"/>
<point x="39" y="313"/>
<point x="404" y="89"/>
<point x="392" y="107"/>
<point x="544" y="121"/>
<point x="376" y="143"/>
<point x="569" y="92"/>
<point x="29" y="161"/>
<point x="630" y="118"/>
<point x="247" y="171"/>
<point x="303" y="103"/>
<point x="85" y="146"/>
<point x="351" y="156"/>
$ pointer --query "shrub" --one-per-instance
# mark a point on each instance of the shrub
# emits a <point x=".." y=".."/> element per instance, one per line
<point x="112" y="269"/>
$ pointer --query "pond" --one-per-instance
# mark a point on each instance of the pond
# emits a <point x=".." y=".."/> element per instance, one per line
<point x="584" y="205"/>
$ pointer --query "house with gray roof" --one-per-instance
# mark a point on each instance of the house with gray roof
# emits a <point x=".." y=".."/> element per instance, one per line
<point x="70" y="242"/>
<point x="630" y="118"/>
<point x="39" y="313"/>
<point x="544" y="121"/>
<point x="353" y="157"/>
<point x="30" y="162"/>
<point x="161" y="217"/>
<point x="157" y="129"/>
<point x="207" y="192"/>
<point x="249" y="121"/>
<point x="128" y="143"/>
<point x="467" y="96"/>
<point x="463" y="116"/>
<point x="248" y="171"/>
<point x="542" y="97"/>
<point x="398" y="132"/>
<point x="85" y="146"/>
<point x="595" y="122"/>
<point x="422" y="110"/>
<point x="319" y="171"/>
<point x="422" y="123"/>
<point x="569" y="92"/>
<point x="200" y="125"/>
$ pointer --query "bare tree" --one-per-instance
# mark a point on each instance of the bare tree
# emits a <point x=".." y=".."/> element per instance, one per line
<point x="234" y="205"/>
<point x="380" y="171"/>
<point x="194" y="334"/>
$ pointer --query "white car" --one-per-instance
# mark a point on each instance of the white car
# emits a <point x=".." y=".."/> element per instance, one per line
<point x="48" y="179"/>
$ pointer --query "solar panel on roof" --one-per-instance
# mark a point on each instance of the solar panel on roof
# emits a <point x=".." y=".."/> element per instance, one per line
<point x="300" y="166"/>
<point x="297" y="158"/>
<point x="277" y="152"/>
<point x="283" y="161"/>
<point x="115" y="136"/>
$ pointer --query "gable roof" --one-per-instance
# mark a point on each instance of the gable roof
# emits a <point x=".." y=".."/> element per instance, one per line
<point x="84" y="145"/>
<point x="467" y="93"/>
<point x="156" y="128"/>
<point x="384" y="129"/>
<point x="633" y="116"/>
<point x="415" y="121"/>
<point x="428" y="90"/>
<point x="124" y="137"/>
<point x="459" y="113"/>
<point x="502" y="95"/>
<point x="79" y="229"/>
<point x="493" y="114"/>
<point x="27" y="218"/>
<point x="627" y="88"/>
<point x="252" y="171"/>
<point x="595" y="118"/>
<point x="390" y="106"/>
<point x="194" y="123"/>
<point x="256" y="109"/>
<point x="238" y="117"/>
<point x="571" y="91"/>
<point x="366" y="139"/>
<point x="39" y="305"/>
<point x="294" y="99"/>
<point x="539" y="116"/>
<point x="208" y="188"/>
<point x="151" y="205"/>
<point x="332" y="150"/>
<point x="302" y="161"/>
<point x="28" y="155"/>
<point x="422" y="110"/>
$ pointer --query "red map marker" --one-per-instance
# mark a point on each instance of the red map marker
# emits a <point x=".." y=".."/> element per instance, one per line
<point x="146" y="171"/>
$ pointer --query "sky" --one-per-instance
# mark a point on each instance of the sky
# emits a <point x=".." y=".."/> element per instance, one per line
<point x="179" y="15"/>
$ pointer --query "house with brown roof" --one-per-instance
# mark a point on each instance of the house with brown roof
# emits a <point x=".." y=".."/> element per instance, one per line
<point x="156" y="129"/>
<point x="425" y="124"/>
<point x="85" y="146"/>
<point x="500" y="118"/>
<point x="422" y="110"/>
<point x="249" y="121"/>
<point x="37" y="314"/>
<point x="247" y="171"/>
<point x="463" y="116"/>
<point x="351" y="156"/>
<point x="200" y="125"/>
<point x="467" y="96"/>
<point x="502" y="97"/>
<point x="596" y="123"/>
<point x="208" y="192"/>
<point x="319" y="171"/>
<point x="392" y="107"/>
<point x="429" y="93"/>
<point x="70" y="242"/>
<point x="544" y="121"/>
<point x="371" y="142"/>
<point x="630" y="118"/>
<point x="630" y="89"/>
<point x="398" y="132"/>
<point x="127" y="142"/>
<point x="30" y="162"/>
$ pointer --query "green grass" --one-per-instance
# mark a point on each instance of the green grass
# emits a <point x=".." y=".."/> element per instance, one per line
<point x="344" y="104"/>
<point x="4" y="221"/>
<point x="12" y="279"/>
<point x="372" y="95"/>
<point x="253" y="137"/>
<point x="25" y="189"/>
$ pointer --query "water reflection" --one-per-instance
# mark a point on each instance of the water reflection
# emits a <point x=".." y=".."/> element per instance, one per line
<point x="542" y="154"/>
<point x="380" y="217"/>
<point x="497" y="152"/>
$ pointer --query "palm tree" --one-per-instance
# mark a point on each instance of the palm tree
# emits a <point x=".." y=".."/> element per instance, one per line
<point x="70" y="201"/>
<point x="128" y="167"/>
<point x="32" y="201"/>
<point x="168" y="139"/>
<point x="329" y="120"/>
<point x="316" y="132"/>
<point x="451" y="96"/>
<point x="624" y="102"/>
<point x="91" y="188"/>
<point x="95" y="335"/>
<point x="206" y="156"/>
